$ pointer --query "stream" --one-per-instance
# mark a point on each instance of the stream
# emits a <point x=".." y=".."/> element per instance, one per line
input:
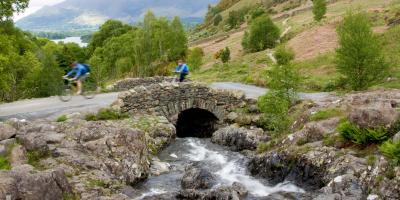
<point x="227" y="166"/>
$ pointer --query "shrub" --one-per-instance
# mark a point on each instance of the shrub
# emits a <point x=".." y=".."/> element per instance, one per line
<point x="195" y="58"/>
<point x="275" y="107"/>
<point x="106" y="114"/>
<point x="361" y="136"/>
<point x="392" y="150"/>
<point x="62" y="118"/>
<point x="359" y="57"/>
<point x="283" y="55"/>
<point x="226" y="55"/>
<point x="326" y="114"/>
<point x="217" y="19"/>
<point x="319" y="9"/>
<point x="263" y="34"/>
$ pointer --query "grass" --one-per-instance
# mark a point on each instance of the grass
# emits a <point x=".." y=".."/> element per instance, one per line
<point x="62" y="118"/>
<point x="326" y="114"/>
<point x="34" y="158"/>
<point x="4" y="163"/>
<point x="106" y="114"/>
<point x="97" y="183"/>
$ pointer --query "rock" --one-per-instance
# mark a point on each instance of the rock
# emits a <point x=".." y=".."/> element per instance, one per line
<point x="5" y="146"/>
<point x="232" y="116"/>
<point x="219" y="193"/>
<point x="243" y="120"/>
<point x="196" y="177"/>
<point x="254" y="109"/>
<point x="166" y="196"/>
<point x="240" y="189"/>
<point x="374" y="116"/>
<point x="239" y="138"/>
<point x="18" y="156"/>
<point x="23" y="183"/>
<point x="6" y="131"/>
<point x="343" y="187"/>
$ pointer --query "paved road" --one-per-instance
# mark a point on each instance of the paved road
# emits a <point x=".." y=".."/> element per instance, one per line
<point x="52" y="107"/>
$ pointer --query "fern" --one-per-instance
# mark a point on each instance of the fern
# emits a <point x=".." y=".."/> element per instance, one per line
<point x="392" y="150"/>
<point x="362" y="136"/>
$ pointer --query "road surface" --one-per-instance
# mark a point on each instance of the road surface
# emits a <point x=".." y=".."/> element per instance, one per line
<point x="52" y="107"/>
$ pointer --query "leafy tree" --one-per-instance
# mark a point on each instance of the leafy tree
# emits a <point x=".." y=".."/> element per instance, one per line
<point x="179" y="40"/>
<point x="217" y="19"/>
<point x="359" y="57"/>
<point x="9" y="7"/>
<point x="263" y="34"/>
<point x="319" y="9"/>
<point x="226" y="55"/>
<point x="275" y="108"/>
<point x="283" y="55"/>
<point x="257" y="12"/>
<point x="233" y="19"/>
<point x="195" y="58"/>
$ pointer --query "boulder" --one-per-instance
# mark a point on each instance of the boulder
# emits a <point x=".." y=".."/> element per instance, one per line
<point x="343" y="187"/>
<point x="18" y="156"/>
<point x="25" y="183"/>
<point x="6" y="145"/>
<point x="6" y="131"/>
<point x="374" y="116"/>
<point x="239" y="139"/>
<point x="396" y="137"/>
<point x="196" y="177"/>
<point x="158" y="167"/>
<point x="219" y="193"/>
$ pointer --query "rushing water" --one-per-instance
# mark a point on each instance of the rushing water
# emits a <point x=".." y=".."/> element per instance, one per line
<point x="228" y="166"/>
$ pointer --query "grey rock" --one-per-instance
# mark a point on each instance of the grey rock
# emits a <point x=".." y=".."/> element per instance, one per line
<point x="374" y="116"/>
<point x="344" y="187"/>
<point x="158" y="167"/>
<point x="196" y="177"/>
<point x="6" y="131"/>
<point x="396" y="137"/>
<point x="18" y="156"/>
<point x="239" y="138"/>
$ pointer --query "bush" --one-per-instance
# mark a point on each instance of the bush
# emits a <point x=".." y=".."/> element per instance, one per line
<point x="263" y="34"/>
<point x="195" y="58"/>
<point x="226" y="55"/>
<point x="275" y="107"/>
<point x="319" y="9"/>
<point x="283" y="55"/>
<point x="359" y="57"/>
<point x="217" y="19"/>
<point x="392" y="150"/>
<point x="326" y="114"/>
<point x="361" y="136"/>
<point x="106" y="114"/>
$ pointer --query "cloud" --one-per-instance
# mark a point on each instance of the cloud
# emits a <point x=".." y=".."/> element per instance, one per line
<point x="35" y="5"/>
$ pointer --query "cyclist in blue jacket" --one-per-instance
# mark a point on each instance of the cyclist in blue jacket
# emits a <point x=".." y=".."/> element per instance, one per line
<point x="79" y="73"/>
<point x="183" y="69"/>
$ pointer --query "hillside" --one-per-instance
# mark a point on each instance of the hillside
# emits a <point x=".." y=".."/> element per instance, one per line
<point x="313" y="43"/>
<point x="74" y="14"/>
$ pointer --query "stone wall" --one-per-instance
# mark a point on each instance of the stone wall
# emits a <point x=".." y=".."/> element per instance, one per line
<point x="129" y="83"/>
<point x="169" y="99"/>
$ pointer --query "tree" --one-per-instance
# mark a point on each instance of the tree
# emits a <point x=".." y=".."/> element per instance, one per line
<point x="359" y="57"/>
<point x="233" y="19"/>
<point x="195" y="58"/>
<point x="217" y="19"/>
<point x="319" y="9"/>
<point x="226" y="55"/>
<point x="179" y="40"/>
<point x="9" y="7"/>
<point x="263" y="34"/>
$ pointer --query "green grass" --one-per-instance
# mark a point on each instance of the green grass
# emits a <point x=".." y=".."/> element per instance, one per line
<point x="62" y="118"/>
<point x="392" y="150"/>
<point x="97" y="183"/>
<point x="106" y="114"/>
<point x="4" y="163"/>
<point x="326" y="114"/>
<point x="34" y="158"/>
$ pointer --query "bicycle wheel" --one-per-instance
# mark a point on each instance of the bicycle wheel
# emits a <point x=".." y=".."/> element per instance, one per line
<point x="90" y="90"/>
<point x="66" y="94"/>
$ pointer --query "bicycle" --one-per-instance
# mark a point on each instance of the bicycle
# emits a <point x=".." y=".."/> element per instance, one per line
<point x="89" y="90"/>
<point x="177" y="77"/>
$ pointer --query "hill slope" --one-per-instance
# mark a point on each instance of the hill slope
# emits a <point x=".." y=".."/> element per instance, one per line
<point x="76" y="14"/>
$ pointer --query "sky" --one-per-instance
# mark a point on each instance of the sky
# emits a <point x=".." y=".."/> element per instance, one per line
<point x="35" y="5"/>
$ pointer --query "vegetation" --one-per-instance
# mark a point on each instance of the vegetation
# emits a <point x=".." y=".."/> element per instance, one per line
<point x="275" y="107"/>
<point x="359" y="58"/>
<point x="34" y="158"/>
<point x="326" y="114"/>
<point x="4" y="163"/>
<point x="263" y="34"/>
<point x="361" y="136"/>
<point x="195" y="58"/>
<point x="106" y="114"/>
<point x="392" y="150"/>
<point x="319" y="9"/>
<point x="9" y="7"/>
<point x="62" y="118"/>
<point x="226" y="55"/>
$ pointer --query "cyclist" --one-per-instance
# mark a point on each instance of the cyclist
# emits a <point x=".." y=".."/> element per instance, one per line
<point x="79" y="73"/>
<point x="182" y="69"/>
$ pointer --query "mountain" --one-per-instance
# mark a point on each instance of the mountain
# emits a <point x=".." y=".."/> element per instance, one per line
<point x="77" y="14"/>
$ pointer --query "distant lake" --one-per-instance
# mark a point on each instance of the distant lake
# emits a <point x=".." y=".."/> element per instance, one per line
<point x="76" y="40"/>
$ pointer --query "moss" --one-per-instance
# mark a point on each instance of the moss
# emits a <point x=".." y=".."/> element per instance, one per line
<point x="302" y="141"/>
<point x="34" y="158"/>
<point x="266" y="146"/>
<point x="371" y="159"/>
<point x="62" y="118"/>
<point x="106" y="114"/>
<point x="97" y="183"/>
<point x="326" y="114"/>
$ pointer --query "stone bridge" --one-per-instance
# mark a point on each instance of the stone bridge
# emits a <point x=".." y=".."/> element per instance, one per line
<point x="195" y="109"/>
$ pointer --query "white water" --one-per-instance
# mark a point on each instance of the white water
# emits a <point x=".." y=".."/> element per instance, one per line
<point x="227" y="166"/>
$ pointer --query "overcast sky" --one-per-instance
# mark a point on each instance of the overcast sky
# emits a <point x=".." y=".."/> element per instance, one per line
<point x="35" y="5"/>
